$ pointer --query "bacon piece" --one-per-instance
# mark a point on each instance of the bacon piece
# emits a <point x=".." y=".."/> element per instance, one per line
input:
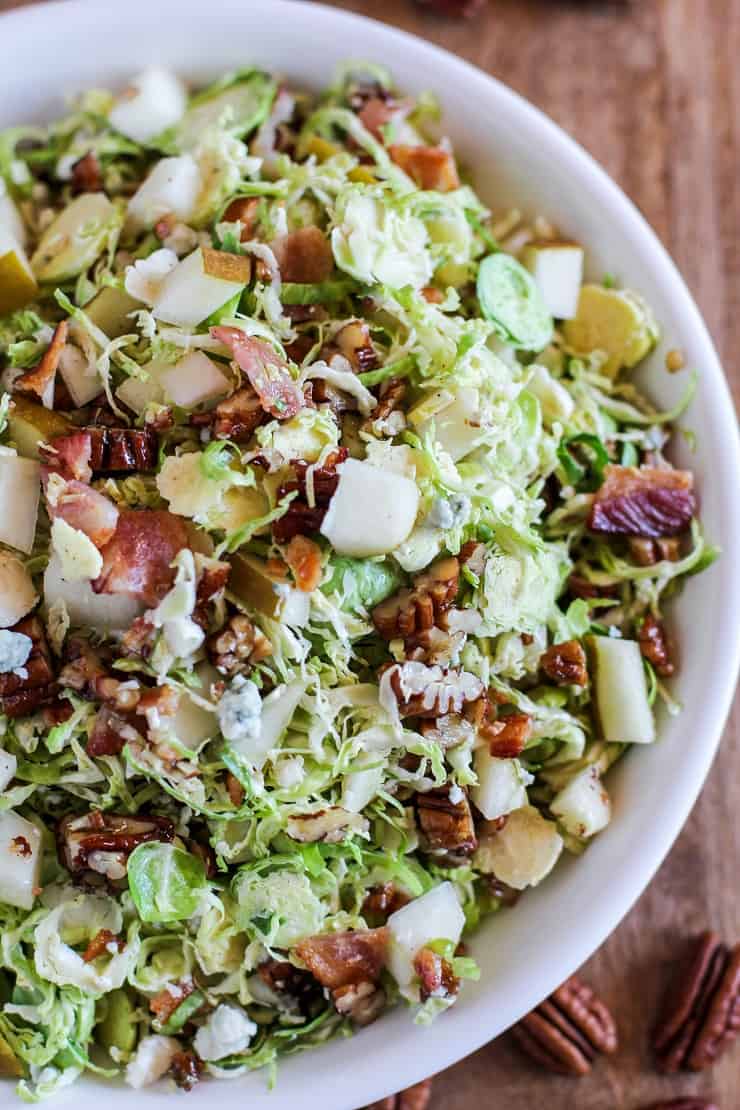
<point x="446" y="825"/>
<point x="99" y="945"/>
<point x="106" y="451"/>
<point x="243" y="209"/>
<point x="41" y="377"/>
<point x="303" y="556"/>
<point x="86" y="174"/>
<point x="136" y="561"/>
<point x="338" y="959"/>
<point x="69" y="456"/>
<point x="649" y="502"/>
<point x="266" y="370"/>
<point x="84" y="508"/>
<point x="304" y="256"/>
<point x="436" y="976"/>
<point x="565" y="664"/>
<point x="165" y="1002"/>
<point x="431" y="167"/>
<point x="376" y="113"/>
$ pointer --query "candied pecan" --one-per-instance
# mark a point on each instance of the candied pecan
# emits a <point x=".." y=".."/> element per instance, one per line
<point x="234" y="418"/>
<point x="110" y="733"/>
<point x="237" y="646"/>
<point x="243" y="209"/>
<point x="654" y="645"/>
<point x="565" y="663"/>
<point x="304" y="256"/>
<point x="650" y="502"/>
<point x="83" y="669"/>
<point x="338" y="959"/>
<point x="235" y="790"/>
<point x="646" y="553"/>
<point x="303" y="556"/>
<point x="506" y="735"/>
<point x="186" y="1069"/>
<point x="415" y="610"/>
<point x="87" y="176"/>
<point x="353" y="341"/>
<point x="701" y="1015"/>
<point x="446" y="825"/>
<point x="436" y="977"/>
<point x="284" y="978"/>
<point x="381" y="901"/>
<point x="460" y="9"/>
<point x="338" y="401"/>
<point x="361" y="1002"/>
<point x="579" y="586"/>
<point x="390" y="401"/>
<point x="165" y="1002"/>
<point x="566" y="1031"/>
<point x="423" y="691"/>
<point x="20" y="695"/>
<point x="431" y="167"/>
<point x="689" y="1103"/>
<point x="413" y="1098"/>
<point x="102" y="842"/>
<point x="39" y="378"/>
<point x="139" y="638"/>
<point x="302" y="518"/>
<point x="102" y="942"/>
<point x="118" y="450"/>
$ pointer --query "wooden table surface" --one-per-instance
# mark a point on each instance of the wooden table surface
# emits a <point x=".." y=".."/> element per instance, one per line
<point x="652" y="89"/>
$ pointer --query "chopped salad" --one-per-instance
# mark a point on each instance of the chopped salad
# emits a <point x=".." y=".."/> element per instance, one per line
<point x="335" y="543"/>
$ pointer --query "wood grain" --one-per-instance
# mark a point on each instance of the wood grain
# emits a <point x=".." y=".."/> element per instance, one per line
<point x="652" y="89"/>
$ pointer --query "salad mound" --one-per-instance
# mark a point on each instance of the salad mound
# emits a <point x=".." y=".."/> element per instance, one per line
<point x="334" y="545"/>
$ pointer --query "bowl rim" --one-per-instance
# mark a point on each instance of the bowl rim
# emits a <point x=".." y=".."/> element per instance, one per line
<point x="449" y="1041"/>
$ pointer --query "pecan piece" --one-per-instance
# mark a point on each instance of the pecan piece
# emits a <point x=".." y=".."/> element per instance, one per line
<point x="40" y="378"/>
<point x="186" y="1069"/>
<point x="304" y="256"/>
<point x="566" y="1031"/>
<point x="701" y="1015"/>
<point x="646" y="553"/>
<point x="507" y="734"/>
<point x="436" y="977"/>
<point x="238" y="646"/>
<point x="649" y="502"/>
<point x="565" y="664"/>
<point x="284" y="978"/>
<point x="86" y="174"/>
<point x="338" y="959"/>
<point x="100" y="943"/>
<point x="411" y="611"/>
<point x="690" y="1103"/>
<point x="353" y="342"/>
<point x="378" y="422"/>
<point x="20" y="696"/>
<point x="102" y="842"/>
<point x="361" y="1002"/>
<point x="118" y="450"/>
<point x="235" y="418"/>
<point x="413" y="1098"/>
<point x="655" y="646"/>
<point x="423" y="691"/>
<point x="381" y="901"/>
<point x="301" y="517"/>
<point x="447" y="825"/>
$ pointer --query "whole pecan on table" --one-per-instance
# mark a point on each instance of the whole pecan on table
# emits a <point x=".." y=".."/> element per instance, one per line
<point x="688" y="1103"/>
<point x="413" y="1098"/>
<point x="462" y="9"/>
<point x="701" y="1014"/>
<point x="566" y="1032"/>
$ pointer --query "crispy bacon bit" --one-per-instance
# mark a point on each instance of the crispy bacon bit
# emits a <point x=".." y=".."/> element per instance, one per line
<point x="423" y="691"/>
<point x="339" y="959"/>
<point x="648" y="502"/>
<point x="362" y="1002"/>
<point x="415" y="610"/>
<point x="235" y="418"/>
<point x="186" y="1069"/>
<point x="164" y="1004"/>
<point x="302" y="518"/>
<point x="303" y="556"/>
<point x="69" y="456"/>
<point x="565" y="664"/>
<point x="266" y="371"/>
<point x="381" y="901"/>
<point x="655" y="646"/>
<point x="431" y="167"/>
<point x="235" y="790"/>
<point x="19" y="846"/>
<point x="446" y="825"/>
<point x="86" y="174"/>
<point x="110" y="733"/>
<point x="304" y="256"/>
<point x="41" y="377"/>
<point x="432" y="295"/>
<point x="105" y="450"/>
<point x="137" y="560"/>
<point x="102" y="842"/>
<point x="354" y="343"/>
<point x="376" y="113"/>
<point x="238" y="646"/>
<point x="20" y="696"/>
<point x="98" y="946"/>
<point x="436" y="977"/>
<point x="243" y="209"/>
<point x="646" y="553"/>
<point x="84" y="508"/>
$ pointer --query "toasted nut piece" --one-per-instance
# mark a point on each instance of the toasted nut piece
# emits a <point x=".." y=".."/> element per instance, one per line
<point x="413" y="1098"/>
<point x="436" y="977"/>
<point x="446" y="825"/>
<point x="566" y="1031"/>
<point x="655" y="646"/>
<point x="238" y="646"/>
<point x="416" y="610"/>
<point x="431" y="167"/>
<point x="186" y="1069"/>
<point x="361" y="1002"/>
<point x="565" y="664"/>
<point x="353" y="341"/>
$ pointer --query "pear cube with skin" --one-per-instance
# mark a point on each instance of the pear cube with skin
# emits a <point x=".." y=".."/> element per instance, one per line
<point x="623" y="709"/>
<point x="502" y="785"/>
<point x="172" y="187"/>
<point x="557" y="269"/>
<point x="436" y="915"/>
<point x="17" y="282"/>
<point x="583" y="807"/>
<point x="190" y="294"/>
<point x="523" y="852"/>
<point x="372" y="511"/>
<point x="20" y="860"/>
<point x="20" y="490"/>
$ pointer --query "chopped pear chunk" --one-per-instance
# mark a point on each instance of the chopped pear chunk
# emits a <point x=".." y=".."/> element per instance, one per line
<point x="172" y="186"/>
<point x="620" y="691"/>
<point x="110" y="310"/>
<point x="436" y="915"/>
<point x="372" y="511"/>
<point x="557" y="269"/>
<point x="616" y="321"/>
<point x="155" y="100"/>
<point x="17" y="284"/>
<point x="17" y="593"/>
<point x="523" y="852"/>
<point x="189" y="295"/>
<point x="20" y="860"/>
<point x="10" y="217"/>
<point x="20" y="490"/>
<point x="583" y="806"/>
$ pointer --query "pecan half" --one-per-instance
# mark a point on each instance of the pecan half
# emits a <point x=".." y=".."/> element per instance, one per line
<point x="361" y="1002"/>
<point x="566" y="1031"/>
<point x="650" y="502"/>
<point x="655" y="646"/>
<point x="102" y="842"/>
<point x="411" y="611"/>
<point x="20" y="696"/>
<point x="506" y="734"/>
<point x="186" y="1069"/>
<point x="690" y="1103"/>
<point x="565" y="664"/>
<point x="337" y="959"/>
<point x="701" y="1015"/>
<point x="446" y="825"/>
<point x="237" y="417"/>
<point x="413" y="1098"/>
<point x="436" y="977"/>
<point x="381" y="901"/>
<point x="423" y="691"/>
<point x="238" y="646"/>
<point x="646" y="553"/>
<point x="353" y="341"/>
<point x="302" y="517"/>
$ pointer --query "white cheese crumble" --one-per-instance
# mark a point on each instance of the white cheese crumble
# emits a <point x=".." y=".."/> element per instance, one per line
<point x="15" y="649"/>
<point x="152" y="1059"/>
<point x="78" y="555"/>
<point x="240" y="711"/>
<point x="227" y="1032"/>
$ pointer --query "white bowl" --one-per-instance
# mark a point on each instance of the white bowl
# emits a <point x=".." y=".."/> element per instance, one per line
<point x="518" y="156"/>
